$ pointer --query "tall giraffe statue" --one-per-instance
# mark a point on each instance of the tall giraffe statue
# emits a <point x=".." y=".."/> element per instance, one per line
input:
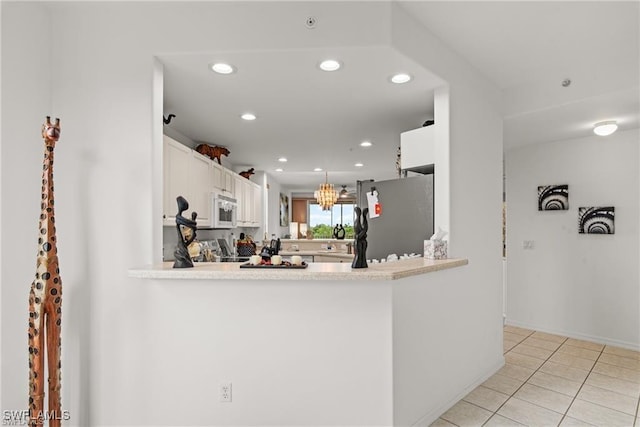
<point x="45" y="299"/>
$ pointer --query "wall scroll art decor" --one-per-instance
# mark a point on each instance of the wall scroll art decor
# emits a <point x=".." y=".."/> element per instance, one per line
<point x="45" y="301"/>
<point x="596" y="220"/>
<point x="553" y="198"/>
<point x="284" y="210"/>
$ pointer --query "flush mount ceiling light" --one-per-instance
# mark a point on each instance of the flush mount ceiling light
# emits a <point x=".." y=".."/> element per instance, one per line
<point x="605" y="128"/>
<point x="330" y="65"/>
<point x="326" y="195"/>
<point x="279" y="169"/>
<point x="282" y="159"/>
<point x="317" y="170"/>
<point x="400" y="78"/>
<point x="222" y="68"/>
<point x="366" y="144"/>
<point x="358" y="165"/>
<point x="248" y="116"/>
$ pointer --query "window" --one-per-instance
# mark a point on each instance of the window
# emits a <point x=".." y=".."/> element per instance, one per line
<point x="323" y="222"/>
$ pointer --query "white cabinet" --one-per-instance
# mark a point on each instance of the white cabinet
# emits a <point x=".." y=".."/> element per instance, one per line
<point x="257" y="205"/>
<point x="249" y="199"/>
<point x="193" y="176"/>
<point x="241" y="213"/>
<point x="201" y="187"/>
<point x="187" y="174"/>
<point x="229" y="180"/>
<point x="418" y="147"/>
<point x="218" y="180"/>
<point x="223" y="179"/>
<point x="177" y="161"/>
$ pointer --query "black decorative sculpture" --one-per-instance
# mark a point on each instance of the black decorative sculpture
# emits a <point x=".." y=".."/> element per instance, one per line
<point x="167" y="119"/>
<point x="186" y="234"/>
<point x="360" y="227"/>
<point x="339" y="232"/>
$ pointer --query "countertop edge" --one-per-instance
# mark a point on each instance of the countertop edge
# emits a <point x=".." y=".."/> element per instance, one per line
<point x="315" y="271"/>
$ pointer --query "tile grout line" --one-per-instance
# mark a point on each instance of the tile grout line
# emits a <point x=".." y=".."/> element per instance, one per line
<point x="525" y="382"/>
<point x="548" y="359"/>
<point x="635" y="419"/>
<point x="496" y="411"/>
<point x="582" y="385"/>
<point x="564" y="342"/>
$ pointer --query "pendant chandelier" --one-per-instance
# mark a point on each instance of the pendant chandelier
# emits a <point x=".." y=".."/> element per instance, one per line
<point x="326" y="195"/>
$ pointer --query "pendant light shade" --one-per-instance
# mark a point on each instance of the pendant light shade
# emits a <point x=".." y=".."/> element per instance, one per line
<point x="326" y="195"/>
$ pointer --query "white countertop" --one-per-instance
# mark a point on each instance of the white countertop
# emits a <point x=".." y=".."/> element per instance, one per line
<point x="315" y="271"/>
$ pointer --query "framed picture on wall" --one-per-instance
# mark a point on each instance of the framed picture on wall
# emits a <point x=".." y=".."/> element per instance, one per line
<point x="596" y="220"/>
<point x="284" y="210"/>
<point x="553" y="197"/>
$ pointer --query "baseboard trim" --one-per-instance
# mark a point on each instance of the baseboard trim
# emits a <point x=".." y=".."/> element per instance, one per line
<point x="576" y="335"/>
<point x="430" y="417"/>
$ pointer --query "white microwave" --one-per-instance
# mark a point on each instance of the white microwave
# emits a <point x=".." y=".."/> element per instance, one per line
<point x="224" y="211"/>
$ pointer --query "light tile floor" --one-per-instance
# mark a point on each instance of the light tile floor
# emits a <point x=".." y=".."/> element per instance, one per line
<point x="549" y="380"/>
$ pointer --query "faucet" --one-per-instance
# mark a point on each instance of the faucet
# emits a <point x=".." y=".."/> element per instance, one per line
<point x="349" y="248"/>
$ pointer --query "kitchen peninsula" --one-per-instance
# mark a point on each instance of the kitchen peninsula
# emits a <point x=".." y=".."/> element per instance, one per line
<point x="314" y="271"/>
<point x="357" y="344"/>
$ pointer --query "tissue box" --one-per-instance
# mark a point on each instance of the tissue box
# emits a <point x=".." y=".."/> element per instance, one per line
<point x="435" y="249"/>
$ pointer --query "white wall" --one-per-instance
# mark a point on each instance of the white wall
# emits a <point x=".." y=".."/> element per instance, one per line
<point x="26" y="101"/>
<point x="473" y="181"/>
<point x="585" y="286"/>
<point x="273" y="207"/>
<point x="118" y="352"/>
<point x="109" y="218"/>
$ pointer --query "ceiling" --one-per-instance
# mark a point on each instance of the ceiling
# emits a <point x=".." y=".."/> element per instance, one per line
<point x="317" y="119"/>
<point x="313" y="118"/>
<point x="527" y="48"/>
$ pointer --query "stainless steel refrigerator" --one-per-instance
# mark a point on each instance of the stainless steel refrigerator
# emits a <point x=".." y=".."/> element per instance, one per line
<point x="406" y="219"/>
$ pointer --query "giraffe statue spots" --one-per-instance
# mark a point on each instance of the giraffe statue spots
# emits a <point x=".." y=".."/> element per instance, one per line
<point x="45" y="300"/>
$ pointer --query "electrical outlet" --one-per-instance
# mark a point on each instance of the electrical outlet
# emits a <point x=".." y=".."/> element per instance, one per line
<point x="225" y="392"/>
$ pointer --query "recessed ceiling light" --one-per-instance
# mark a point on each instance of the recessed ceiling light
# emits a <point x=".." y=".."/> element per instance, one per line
<point x="605" y="128"/>
<point x="366" y="144"/>
<point x="400" y="78"/>
<point x="222" y="68"/>
<point x="282" y="159"/>
<point x="279" y="170"/>
<point x="330" y="65"/>
<point x="248" y="116"/>
<point x="317" y="170"/>
<point x="358" y="165"/>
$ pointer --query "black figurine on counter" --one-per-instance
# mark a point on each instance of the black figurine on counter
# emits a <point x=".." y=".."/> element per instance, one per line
<point x="186" y="234"/>
<point x="360" y="226"/>
<point x="339" y="232"/>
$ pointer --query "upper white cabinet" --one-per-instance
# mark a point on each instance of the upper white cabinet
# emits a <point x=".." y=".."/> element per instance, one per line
<point x="257" y="205"/>
<point x="240" y="189"/>
<point x="249" y="199"/>
<point x="201" y="187"/>
<point x="223" y="179"/>
<point x="190" y="175"/>
<point x="176" y="176"/>
<point x="193" y="176"/>
<point x="418" y="147"/>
